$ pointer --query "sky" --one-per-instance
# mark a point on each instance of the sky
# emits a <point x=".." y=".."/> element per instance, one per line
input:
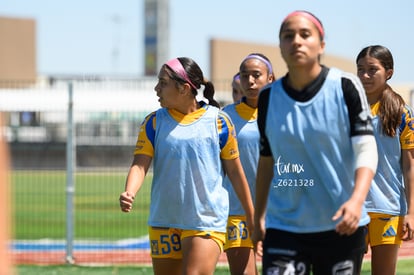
<point x="95" y="37"/>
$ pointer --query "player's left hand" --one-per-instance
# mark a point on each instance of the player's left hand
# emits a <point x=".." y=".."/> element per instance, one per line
<point x="408" y="228"/>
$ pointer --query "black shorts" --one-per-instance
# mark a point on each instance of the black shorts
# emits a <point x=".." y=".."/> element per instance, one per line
<point x="322" y="253"/>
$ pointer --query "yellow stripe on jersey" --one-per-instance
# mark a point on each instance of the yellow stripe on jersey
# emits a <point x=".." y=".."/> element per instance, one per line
<point x="375" y="108"/>
<point x="407" y="134"/>
<point x="246" y="112"/>
<point x="225" y="127"/>
<point x="144" y="144"/>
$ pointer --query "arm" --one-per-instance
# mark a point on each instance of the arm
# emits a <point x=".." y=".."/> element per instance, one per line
<point x="136" y="175"/>
<point x="408" y="170"/>
<point x="366" y="155"/>
<point x="264" y="174"/>
<point x="232" y="165"/>
<point x="365" y="151"/>
<point x="144" y="151"/>
<point x="350" y="211"/>
<point x="6" y="266"/>
<point x="263" y="180"/>
<point x="237" y="177"/>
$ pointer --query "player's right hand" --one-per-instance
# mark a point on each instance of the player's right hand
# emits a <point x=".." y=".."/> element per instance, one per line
<point x="126" y="200"/>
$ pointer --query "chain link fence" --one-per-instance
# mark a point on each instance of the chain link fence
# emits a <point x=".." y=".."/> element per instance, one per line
<point x="71" y="144"/>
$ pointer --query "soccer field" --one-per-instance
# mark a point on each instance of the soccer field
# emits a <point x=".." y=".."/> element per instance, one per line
<point x="39" y="213"/>
<point x="39" y="206"/>
<point x="405" y="267"/>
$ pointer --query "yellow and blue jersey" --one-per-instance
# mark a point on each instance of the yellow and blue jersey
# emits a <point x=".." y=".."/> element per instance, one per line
<point x="244" y="119"/>
<point x="225" y="127"/>
<point x="387" y="194"/>
<point x="187" y="188"/>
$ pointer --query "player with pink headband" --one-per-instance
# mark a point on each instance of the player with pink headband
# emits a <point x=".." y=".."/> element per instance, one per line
<point x="177" y="67"/>
<point x="318" y="156"/>
<point x="310" y="17"/>
<point x="193" y="145"/>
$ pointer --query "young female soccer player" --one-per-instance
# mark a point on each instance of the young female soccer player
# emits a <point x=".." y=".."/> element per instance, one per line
<point x="236" y="91"/>
<point x="255" y="72"/>
<point x="393" y="185"/>
<point x="192" y="143"/>
<point x="318" y="157"/>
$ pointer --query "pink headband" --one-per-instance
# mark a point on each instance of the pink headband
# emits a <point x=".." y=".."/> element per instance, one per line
<point x="177" y="67"/>
<point x="310" y="17"/>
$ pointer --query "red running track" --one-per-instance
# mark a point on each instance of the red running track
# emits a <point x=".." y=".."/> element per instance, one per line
<point x="126" y="257"/>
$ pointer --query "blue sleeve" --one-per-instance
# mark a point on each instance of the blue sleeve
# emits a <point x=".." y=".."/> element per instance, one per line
<point x="150" y="128"/>
<point x="223" y="129"/>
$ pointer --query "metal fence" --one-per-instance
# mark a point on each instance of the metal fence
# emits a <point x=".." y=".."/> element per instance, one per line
<point x="71" y="145"/>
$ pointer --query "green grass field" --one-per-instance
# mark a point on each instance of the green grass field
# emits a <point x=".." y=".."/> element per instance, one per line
<point x="405" y="267"/>
<point x="39" y="206"/>
<point x="39" y="212"/>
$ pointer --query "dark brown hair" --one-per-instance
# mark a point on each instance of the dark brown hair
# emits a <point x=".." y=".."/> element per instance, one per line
<point x="391" y="103"/>
<point x="195" y="75"/>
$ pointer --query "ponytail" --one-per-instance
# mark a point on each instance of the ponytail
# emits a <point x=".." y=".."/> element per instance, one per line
<point x="209" y="93"/>
<point x="186" y="70"/>
<point x="390" y="111"/>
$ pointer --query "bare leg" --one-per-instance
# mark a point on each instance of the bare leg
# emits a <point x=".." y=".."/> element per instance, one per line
<point x="242" y="260"/>
<point x="384" y="259"/>
<point x="200" y="255"/>
<point x="167" y="266"/>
